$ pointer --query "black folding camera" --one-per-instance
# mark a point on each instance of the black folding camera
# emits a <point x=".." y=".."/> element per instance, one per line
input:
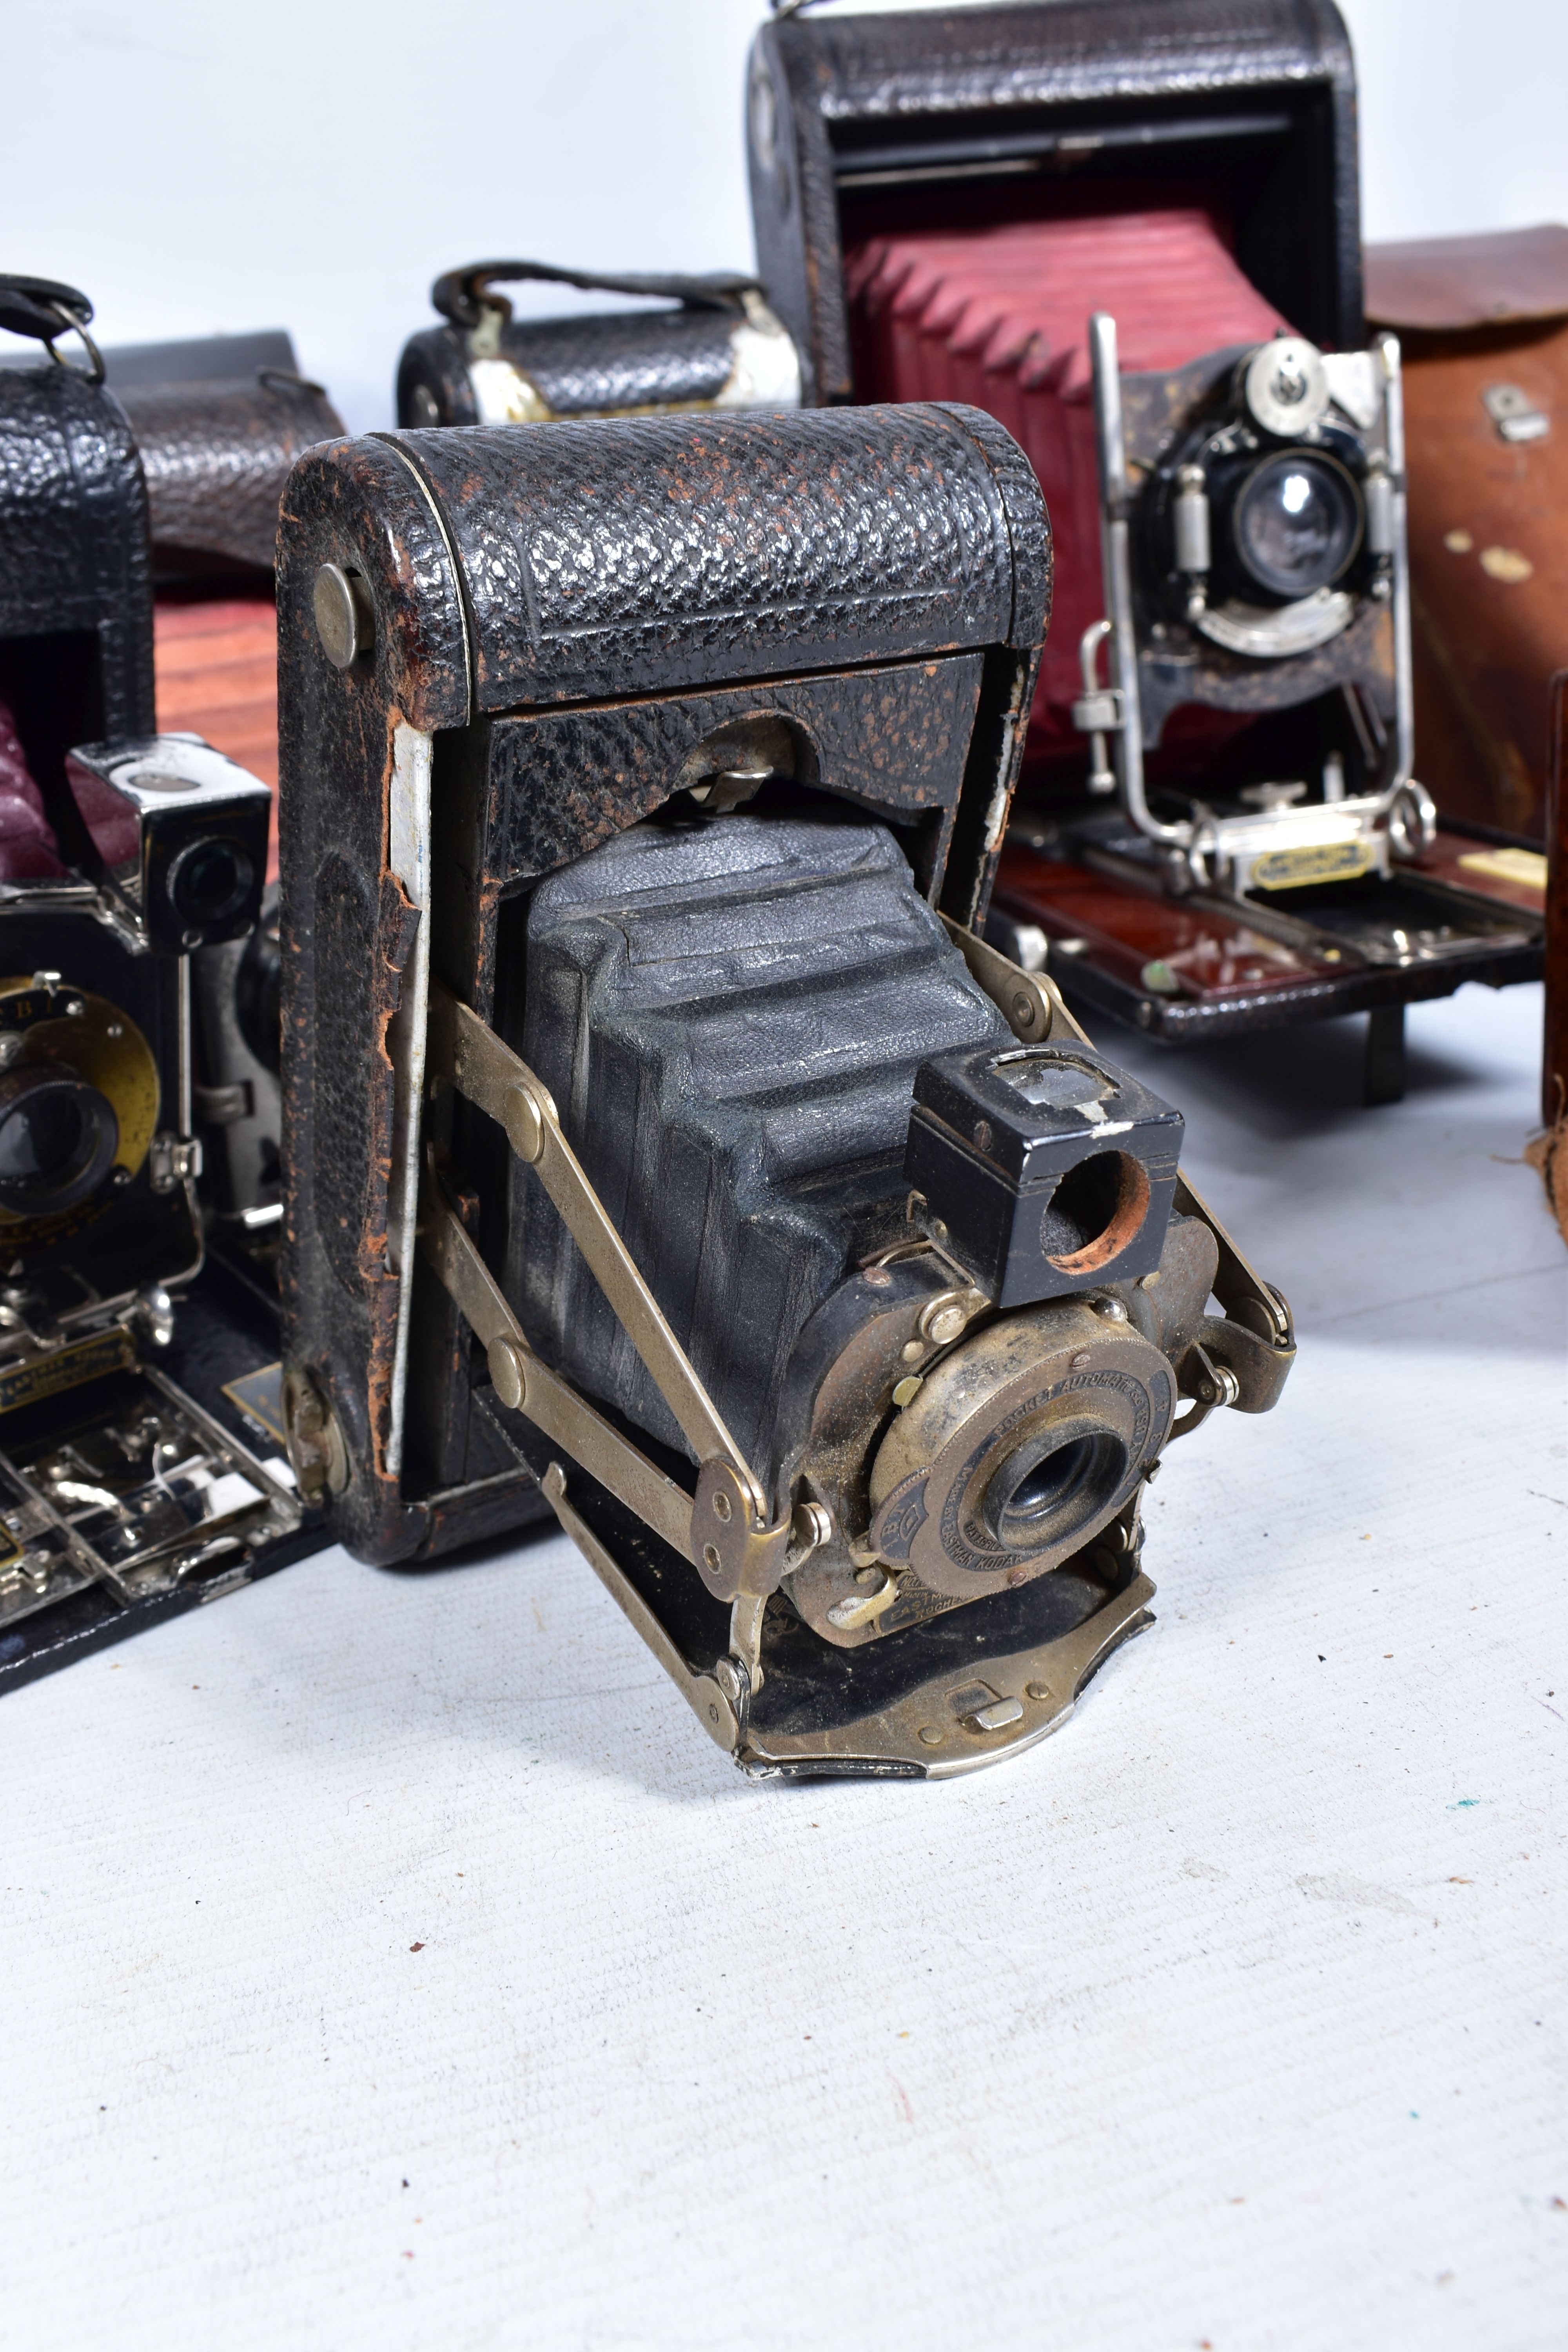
<point x="128" y="1482"/>
<point x="1133" y="236"/>
<point x="719" y="347"/>
<point x="660" y="1127"/>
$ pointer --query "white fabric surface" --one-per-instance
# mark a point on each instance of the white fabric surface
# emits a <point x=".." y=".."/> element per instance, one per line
<point x="390" y="1961"/>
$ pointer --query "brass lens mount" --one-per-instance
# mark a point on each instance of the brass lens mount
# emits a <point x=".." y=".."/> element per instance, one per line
<point x="1019" y="1448"/>
<point x="94" y="1069"/>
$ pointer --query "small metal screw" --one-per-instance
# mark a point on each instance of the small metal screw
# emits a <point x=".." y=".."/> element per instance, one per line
<point x="721" y="1506"/>
<point x="878" y="1276"/>
<point x="1080" y="1360"/>
<point x="1017" y="1575"/>
<point x="1024" y="1010"/>
<point x="983" y="1135"/>
<point x="1036" y="1690"/>
<point x="710" y="1558"/>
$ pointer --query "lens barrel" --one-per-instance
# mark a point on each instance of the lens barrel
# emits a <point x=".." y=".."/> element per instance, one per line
<point x="58" y="1137"/>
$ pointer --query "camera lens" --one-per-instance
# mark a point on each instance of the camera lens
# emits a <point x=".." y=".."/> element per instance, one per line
<point x="210" y="882"/>
<point x="1048" y="1487"/>
<point x="58" y="1137"/>
<point x="1297" y="523"/>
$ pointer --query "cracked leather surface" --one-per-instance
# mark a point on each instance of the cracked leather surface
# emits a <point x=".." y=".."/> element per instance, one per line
<point x="610" y="558"/>
<point x="829" y="84"/>
<point x="216" y="457"/>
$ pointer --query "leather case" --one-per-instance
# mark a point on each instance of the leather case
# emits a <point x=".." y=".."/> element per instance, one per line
<point x="1483" y="326"/>
<point x="1554" y="1061"/>
<point x="216" y="448"/>
<point x="720" y="348"/>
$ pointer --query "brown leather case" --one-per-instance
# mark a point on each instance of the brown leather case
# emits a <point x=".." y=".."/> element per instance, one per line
<point x="1554" y="1061"/>
<point x="1483" y="324"/>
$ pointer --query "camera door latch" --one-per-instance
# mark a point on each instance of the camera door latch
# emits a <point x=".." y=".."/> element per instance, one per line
<point x="726" y="1535"/>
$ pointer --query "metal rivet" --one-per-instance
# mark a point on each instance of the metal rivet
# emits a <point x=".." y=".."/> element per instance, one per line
<point x="344" y="622"/>
<point x="929" y="1738"/>
<point x="811" y="1524"/>
<point x="1111" y="1310"/>
<point x="912" y="1350"/>
<point x="524" y="1125"/>
<point x="505" y="1360"/>
<point x="878" y="1276"/>
<point x="721" y="1506"/>
<point x="1024" y="1010"/>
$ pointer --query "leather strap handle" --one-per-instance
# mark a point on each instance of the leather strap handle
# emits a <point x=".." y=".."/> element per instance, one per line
<point x="42" y="308"/>
<point x="462" y="294"/>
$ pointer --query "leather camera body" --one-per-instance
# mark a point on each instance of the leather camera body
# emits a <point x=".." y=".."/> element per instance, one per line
<point x="1133" y="235"/>
<point x="558" y="632"/>
<point x="666" y="1147"/>
<point x="131" y="1484"/>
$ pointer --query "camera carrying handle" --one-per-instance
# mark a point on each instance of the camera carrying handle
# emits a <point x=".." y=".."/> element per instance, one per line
<point x="464" y="295"/>
<point x="43" y="307"/>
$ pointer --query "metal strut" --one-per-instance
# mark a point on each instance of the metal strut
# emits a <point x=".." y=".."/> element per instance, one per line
<point x="724" y="1529"/>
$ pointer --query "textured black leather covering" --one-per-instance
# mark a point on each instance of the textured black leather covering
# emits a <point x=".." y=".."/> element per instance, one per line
<point x="572" y="613"/>
<point x="216" y="457"/>
<point x="582" y="367"/>
<point x="834" y="97"/>
<point x="610" y="558"/>
<point x="73" y="538"/>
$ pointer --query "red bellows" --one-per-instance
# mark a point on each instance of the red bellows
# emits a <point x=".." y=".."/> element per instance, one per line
<point x="999" y="318"/>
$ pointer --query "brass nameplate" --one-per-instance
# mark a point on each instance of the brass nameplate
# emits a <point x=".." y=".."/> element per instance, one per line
<point x="85" y="1360"/>
<point x="1325" y="861"/>
<point x="260" y="1394"/>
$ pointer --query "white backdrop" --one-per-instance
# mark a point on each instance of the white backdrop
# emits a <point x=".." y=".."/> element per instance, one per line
<point x="315" y="164"/>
